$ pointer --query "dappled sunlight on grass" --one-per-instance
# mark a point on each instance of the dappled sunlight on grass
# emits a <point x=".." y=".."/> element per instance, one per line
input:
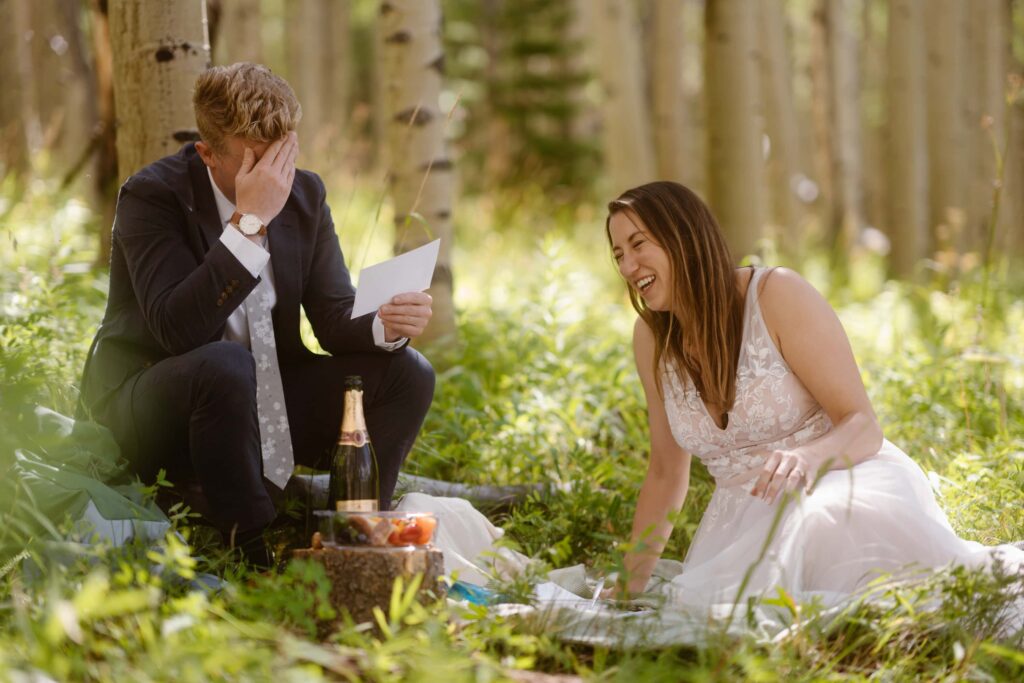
<point x="539" y="387"/>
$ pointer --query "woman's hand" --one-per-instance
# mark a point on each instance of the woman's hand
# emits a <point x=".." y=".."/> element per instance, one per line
<point x="785" y="471"/>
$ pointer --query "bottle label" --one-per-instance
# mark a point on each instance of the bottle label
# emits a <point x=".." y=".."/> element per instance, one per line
<point x="356" y="437"/>
<point x="365" y="505"/>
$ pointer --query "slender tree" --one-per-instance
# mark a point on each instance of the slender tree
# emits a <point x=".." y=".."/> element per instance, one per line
<point x="13" y="148"/>
<point x="629" y="155"/>
<point x="306" y="73"/>
<point x="420" y="172"/>
<point x="159" y="48"/>
<point x="907" y="160"/>
<point x="239" y="37"/>
<point x="105" y="139"/>
<point x="337" y="70"/>
<point x="734" y="131"/>
<point x="985" y="104"/>
<point x="781" y="122"/>
<point x="946" y="32"/>
<point x="847" y="218"/>
<point x="667" y="88"/>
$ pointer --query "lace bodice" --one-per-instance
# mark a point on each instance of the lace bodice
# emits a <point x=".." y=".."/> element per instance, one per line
<point x="772" y="410"/>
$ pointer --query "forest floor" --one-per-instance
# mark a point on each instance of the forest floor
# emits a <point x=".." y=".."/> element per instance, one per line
<point x="540" y="387"/>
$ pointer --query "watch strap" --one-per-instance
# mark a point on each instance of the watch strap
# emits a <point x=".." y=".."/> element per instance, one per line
<point x="235" y="220"/>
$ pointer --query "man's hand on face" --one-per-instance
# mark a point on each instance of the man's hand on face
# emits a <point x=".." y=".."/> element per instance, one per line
<point x="406" y="315"/>
<point x="262" y="187"/>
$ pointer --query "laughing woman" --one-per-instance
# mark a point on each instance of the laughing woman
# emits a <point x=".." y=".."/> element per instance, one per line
<point x="750" y="371"/>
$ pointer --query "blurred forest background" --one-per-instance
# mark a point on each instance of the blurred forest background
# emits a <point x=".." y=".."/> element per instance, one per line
<point x="885" y="125"/>
<point x="877" y="146"/>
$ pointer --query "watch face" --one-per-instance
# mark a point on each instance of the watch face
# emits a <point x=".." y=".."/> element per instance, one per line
<point x="249" y="224"/>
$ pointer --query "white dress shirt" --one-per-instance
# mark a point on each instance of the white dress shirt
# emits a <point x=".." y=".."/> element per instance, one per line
<point x="256" y="259"/>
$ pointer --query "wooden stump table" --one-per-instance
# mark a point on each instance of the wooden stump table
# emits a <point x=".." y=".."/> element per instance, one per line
<point x="363" y="577"/>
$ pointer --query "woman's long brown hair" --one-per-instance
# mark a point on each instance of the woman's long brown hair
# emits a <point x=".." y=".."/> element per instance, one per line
<point x="702" y="331"/>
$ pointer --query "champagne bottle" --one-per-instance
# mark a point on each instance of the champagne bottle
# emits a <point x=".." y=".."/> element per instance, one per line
<point x="354" y="484"/>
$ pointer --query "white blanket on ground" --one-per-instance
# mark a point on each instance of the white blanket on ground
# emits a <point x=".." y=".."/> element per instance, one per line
<point x="564" y="605"/>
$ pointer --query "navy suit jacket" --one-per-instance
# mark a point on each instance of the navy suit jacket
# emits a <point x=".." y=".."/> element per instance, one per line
<point x="173" y="283"/>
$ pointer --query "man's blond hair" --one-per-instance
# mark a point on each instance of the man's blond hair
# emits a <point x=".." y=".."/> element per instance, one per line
<point x="246" y="100"/>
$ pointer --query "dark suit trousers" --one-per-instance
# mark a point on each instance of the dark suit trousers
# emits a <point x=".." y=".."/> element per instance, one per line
<point x="194" y="415"/>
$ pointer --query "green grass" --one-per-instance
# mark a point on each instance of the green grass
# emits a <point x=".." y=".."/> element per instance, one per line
<point x="540" y="387"/>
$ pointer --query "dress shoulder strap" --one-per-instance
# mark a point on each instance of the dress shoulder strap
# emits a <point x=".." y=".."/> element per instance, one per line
<point x="754" y="289"/>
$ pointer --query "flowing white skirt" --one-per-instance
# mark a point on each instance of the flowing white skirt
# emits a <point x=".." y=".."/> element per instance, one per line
<point x="879" y="518"/>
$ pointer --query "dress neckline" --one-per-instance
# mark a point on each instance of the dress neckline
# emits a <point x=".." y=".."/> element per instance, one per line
<point x="748" y="295"/>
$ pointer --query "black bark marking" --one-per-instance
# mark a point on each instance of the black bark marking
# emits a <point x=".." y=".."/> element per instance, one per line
<point x="417" y="116"/>
<point x="437" y="165"/>
<point x="165" y="54"/>
<point x="438" y="64"/>
<point x="399" y="38"/>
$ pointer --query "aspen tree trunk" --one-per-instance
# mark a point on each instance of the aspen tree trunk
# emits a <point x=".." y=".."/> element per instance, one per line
<point x="667" y="88"/>
<point x="159" y="48"/>
<point x="28" y="130"/>
<point x="305" y="71"/>
<point x="695" y="113"/>
<point x="985" y="98"/>
<point x="240" y="36"/>
<point x="14" y="156"/>
<point x="946" y="30"/>
<point x="629" y="157"/>
<point x="781" y="121"/>
<point x="823" y="149"/>
<point x="77" y="117"/>
<point x="907" y="161"/>
<point x="336" y="58"/>
<point x="734" y="131"/>
<point x="873" y="70"/>
<point x="106" y="175"/>
<point x="997" y="87"/>
<point x="420" y="172"/>
<point x="1013" y="234"/>
<point x="844" y="112"/>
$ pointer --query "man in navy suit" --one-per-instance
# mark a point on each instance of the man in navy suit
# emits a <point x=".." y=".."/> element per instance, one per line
<point x="171" y="371"/>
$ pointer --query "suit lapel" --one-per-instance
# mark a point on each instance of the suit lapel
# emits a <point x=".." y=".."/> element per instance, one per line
<point x="282" y="234"/>
<point x="204" y="214"/>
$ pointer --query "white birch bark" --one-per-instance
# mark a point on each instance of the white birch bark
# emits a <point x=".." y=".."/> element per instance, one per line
<point x="907" y="160"/>
<point x="667" y="88"/>
<point x="734" y="129"/>
<point x="159" y="48"/>
<point x="618" y="62"/>
<point x="420" y="171"/>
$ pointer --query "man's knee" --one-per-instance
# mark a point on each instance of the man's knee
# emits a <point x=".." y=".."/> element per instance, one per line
<point x="227" y="369"/>
<point x="417" y="374"/>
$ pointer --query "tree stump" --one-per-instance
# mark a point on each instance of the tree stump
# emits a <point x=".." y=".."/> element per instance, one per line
<point x="363" y="578"/>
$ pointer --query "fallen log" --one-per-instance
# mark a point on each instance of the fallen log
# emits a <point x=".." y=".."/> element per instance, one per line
<point x="312" y="490"/>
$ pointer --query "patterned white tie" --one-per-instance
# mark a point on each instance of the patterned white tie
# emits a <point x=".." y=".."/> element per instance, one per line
<point x="275" y="436"/>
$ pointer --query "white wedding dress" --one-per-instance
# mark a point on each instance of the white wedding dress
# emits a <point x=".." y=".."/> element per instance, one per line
<point x="878" y="518"/>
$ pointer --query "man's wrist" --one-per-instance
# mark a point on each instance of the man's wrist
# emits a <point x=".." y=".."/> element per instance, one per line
<point x="249" y="224"/>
